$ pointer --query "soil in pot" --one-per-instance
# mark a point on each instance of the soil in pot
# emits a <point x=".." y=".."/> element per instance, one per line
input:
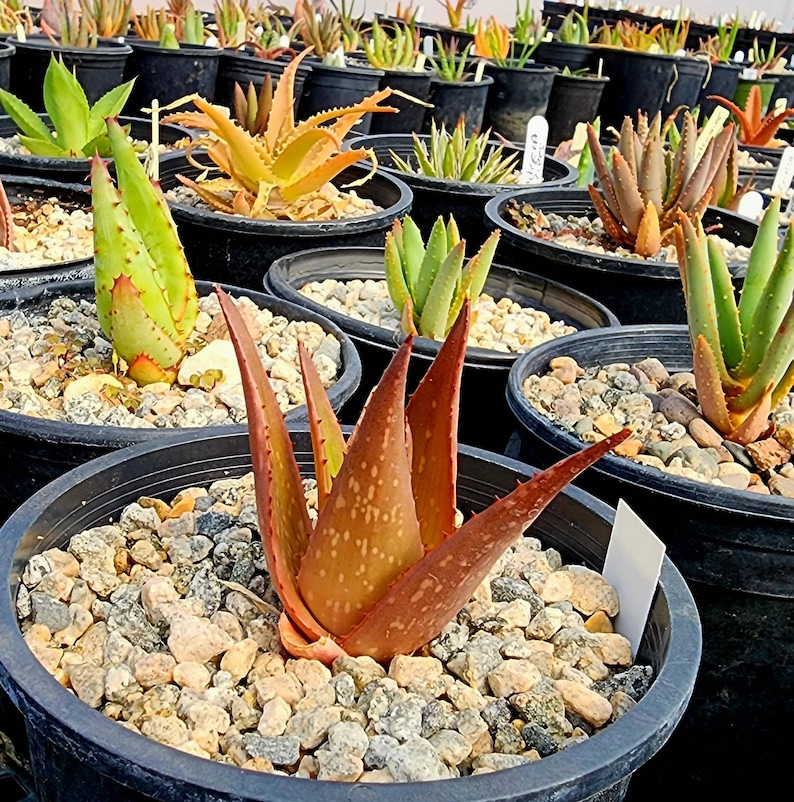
<point x="518" y="94"/>
<point x="670" y="646"/>
<point x="515" y="313"/>
<point x="453" y="100"/>
<point x="637" y="290"/>
<point x="63" y="401"/>
<point x="733" y="545"/>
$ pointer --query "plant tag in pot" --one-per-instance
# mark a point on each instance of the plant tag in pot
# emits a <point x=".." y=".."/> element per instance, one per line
<point x="534" y="150"/>
<point x="751" y="205"/>
<point x="427" y="46"/>
<point x="714" y="125"/>
<point x="632" y="566"/>
<point x="785" y="172"/>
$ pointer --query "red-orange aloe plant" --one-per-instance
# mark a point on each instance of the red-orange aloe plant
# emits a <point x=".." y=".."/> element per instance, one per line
<point x="384" y="568"/>
<point x="756" y="129"/>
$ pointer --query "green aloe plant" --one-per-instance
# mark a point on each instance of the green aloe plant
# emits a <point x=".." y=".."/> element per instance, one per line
<point x="78" y="129"/>
<point x="428" y="283"/>
<point x="145" y="294"/>
<point x="384" y="568"/>
<point x="743" y="353"/>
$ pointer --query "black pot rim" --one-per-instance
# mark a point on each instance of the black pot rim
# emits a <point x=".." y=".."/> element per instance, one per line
<point x="486" y="80"/>
<point x="349" y="69"/>
<point x="295" y="228"/>
<point x="6" y="49"/>
<point x="604" y="263"/>
<point x="449" y="185"/>
<point x="10" y="181"/>
<point x="623" y="743"/>
<point x="200" y="51"/>
<point x="591" y="77"/>
<point x="422" y="346"/>
<point x="623" y="468"/>
<point x="529" y="67"/>
<point x="88" y="435"/>
<point x="104" y="46"/>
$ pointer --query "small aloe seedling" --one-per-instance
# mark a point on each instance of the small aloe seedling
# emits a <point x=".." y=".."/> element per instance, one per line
<point x="384" y="567"/>
<point x="641" y="195"/>
<point x="743" y="354"/>
<point x="428" y="284"/>
<point x="573" y="29"/>
<point x="79" y="129"/>
<point x="392" y="51"/>
<point x="457" y="157"/>
<point x="145" y="294"/>
<point x="279" y="173"/>
<point x="755" y="128"/>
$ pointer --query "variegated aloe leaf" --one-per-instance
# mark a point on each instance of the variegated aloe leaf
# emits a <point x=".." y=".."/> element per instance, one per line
<point x="433" y="591"/>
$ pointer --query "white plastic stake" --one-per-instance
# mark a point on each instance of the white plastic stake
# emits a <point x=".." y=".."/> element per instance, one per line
<point x="420" y="62"/>
<point x="600" y="67"/>
<point x="785" y="172"/>
<point x="420" y="10"/>
<point x="478" y="73"/>
<point x="428" y="46"/>
<point x="780" y="105"/>
<point x="751" y="205"/>
<point x="632" y="566"/>
<point x="283" y="40"/>
<point x="154" y="162"/>
<point x="714" y="125"/>
<point x="534" y="150"/>
<point x="738" y="56"/>
<point x="21" y="36"/>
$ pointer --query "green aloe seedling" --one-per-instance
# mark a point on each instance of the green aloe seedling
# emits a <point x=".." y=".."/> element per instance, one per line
<point x="384" y="568"/>
<point x="743" y="354"/>
<point x="145" y="294"/>
<point x="428" y="284"/>
<point x="79" y="129"/>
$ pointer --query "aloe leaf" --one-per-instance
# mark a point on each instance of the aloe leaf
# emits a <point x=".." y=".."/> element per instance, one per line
<point x="433" y="319"/>
<point x="66" y="106"/>
<point x="367" y="535"/>
<point x="28" y="122"/>
<point x="725" y="304"/>
<point x="760" y="266"/>
<point x="283" y="519"/>
<point x="109" y="105"/>
<point x="433" y="591"/>
<point x="771" y="308"/>
<point x="151" y="217"/>
<point x="434" y="255"/>
<point x="432" y="415"/>
<point x="474" y="276"/>
<point x="328" y="442"/>
<point x="711" y="395"/>
<point x="412" y="252"/>
<point x="395" y="276"/>
<point x="43" y="147"/>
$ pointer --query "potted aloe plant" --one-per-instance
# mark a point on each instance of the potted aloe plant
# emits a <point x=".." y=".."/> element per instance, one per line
<point x="135" y="352"/>
<point x="615" y="242"/>
<point x="57" y="144"/>
<point x="452" y="173"/>
<point x="235" y="225"/>
<point x="84" y="37"/>
<point x="722" y="387"/>
<point x="369" y="620"/>
<point x="416" y="285"/>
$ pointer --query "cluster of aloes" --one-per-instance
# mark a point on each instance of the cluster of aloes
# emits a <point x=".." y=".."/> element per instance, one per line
<point x="496" y="42"/>
<point x="743" y="354"/>
<point x="640" y="197"/>
<point x="427" y="283"/>
<point x="346" y="586"/>
<point x="77" y="128"/>
<point x="280" y="172"/>
<point x="83" y="25"/>
<point x="398" y="50"/>
<point x="179" y="22"/>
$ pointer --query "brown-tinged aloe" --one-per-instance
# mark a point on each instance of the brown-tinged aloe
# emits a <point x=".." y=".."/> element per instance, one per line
<point x="286" y="171"/>
<point x="647" y="186"/>
<point x="384" y="567"/>
<point x="743" y="353"/>
<point x="755" y="127"/>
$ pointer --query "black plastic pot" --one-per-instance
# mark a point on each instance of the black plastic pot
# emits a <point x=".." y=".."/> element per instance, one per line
<point x="243" y="67"/>
<point x="721" y="82"/>
<point x="464" y="200"/>
<point x="7" y="51"/>
<point x="561" y="55"/>
<point x="636" y="290"/>
<point x="735" y="550"/>
<point x="690" y="75"/>
<point x="167" y="74"/>
<point x="333" y="87"/>
<point x="78" y="170"/>
<point x="410" y="115"/>
<point x="784" y="88"/>
<point x="97" y="69"/>
<point x="455" y="99"/>
<point x="638" y="81"/>
<point x="574" y="99"/>
<point x="518" y="94"/>
<point x="78" y="754"/>
<point x="239" y="250"/>
<point x="761" y="177"/>
<point x="43" y="449"/>
<point x="23" y="188"/>
<point x="484" y="419"/>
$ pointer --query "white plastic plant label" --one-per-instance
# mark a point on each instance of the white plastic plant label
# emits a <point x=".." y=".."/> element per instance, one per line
<point x="780" y="105"/>
<point x="428" y="46"/>
<point x="283" y="40"/>
<point x="534" y="150"/>
<point x="738" y="56"/>
<point x="715" y="124"/>
<point x="632" y="566"/>
<point x="478" y="73"/>
<point x="785" y="172"/>
<point x="751" y="205"/>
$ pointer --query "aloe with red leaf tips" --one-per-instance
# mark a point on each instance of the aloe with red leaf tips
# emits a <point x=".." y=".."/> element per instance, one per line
<point x="384" y="568"/>
<point x="755" y="128"/>
<point x="743" y="353"/>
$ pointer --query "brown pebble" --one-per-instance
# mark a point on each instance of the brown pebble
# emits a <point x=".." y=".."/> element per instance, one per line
<point x="767" y="453"/>
<point x="781" y="486"/>
<point x="704" y="434"/>
<point x="599" y="621"/>
<point x="629" y="448"/>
